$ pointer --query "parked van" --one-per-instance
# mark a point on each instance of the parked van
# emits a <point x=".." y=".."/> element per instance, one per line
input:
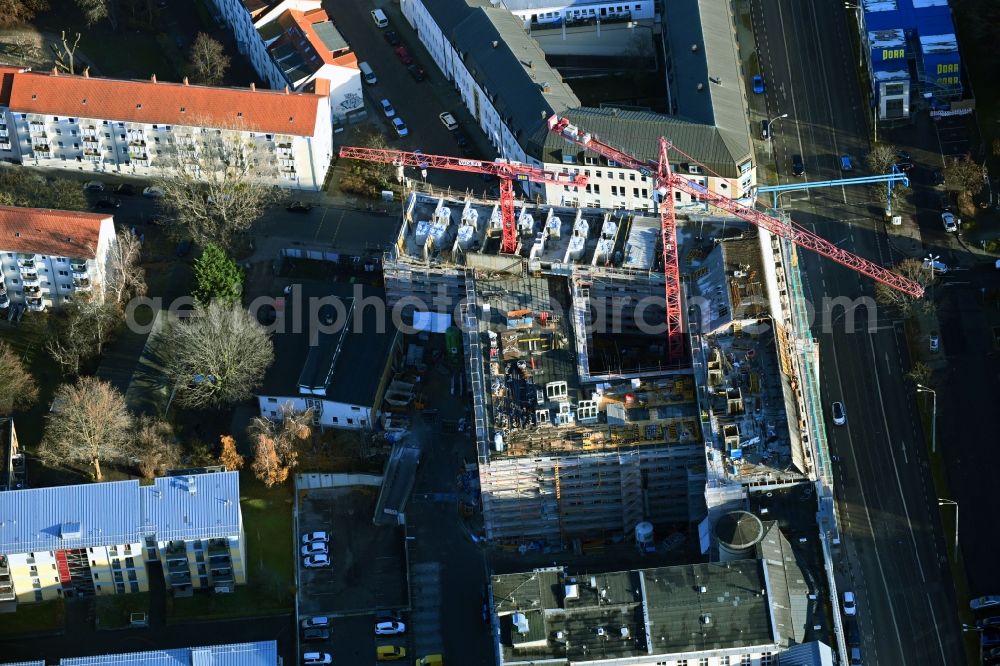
<point x="381" y="20"/>
<point x="367" y="74"/>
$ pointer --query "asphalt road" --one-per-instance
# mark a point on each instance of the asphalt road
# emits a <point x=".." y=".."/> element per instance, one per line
<point x="888" y="513"/>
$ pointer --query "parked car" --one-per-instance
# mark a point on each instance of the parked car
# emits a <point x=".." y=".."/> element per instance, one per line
<point x="400" y="127"/>
<point x="317" y="621"/>
<point x="404" y="55"/>
<point x="125" y="189"/>
<point x="390" y="653"/>
<point x="387" y="108"/>
<point x="765" y="129"/>
<point x="758" y="84"/>
<point x="989" y="622"/>
<point x="316" y="561"/>
<point x="389" y="628"/>
<point x="903" y="160"/>
<point x="298" y="207"/>
<point x="448" y="121"/>
<point x="107" y="203"/>
<point x="392" y="37"/>
<point x="846" y="163"/>
<point x="798" y="166"/>
<point x="934" y="342"/>
<point x="849" y="605"/>
<point x="949" y="221"/>
<point x="840" y="418"/>
<point x="315" y="634"/>
<point x="315" y="536"/>
<point x="856" y="656"/>
<point x="153" y="192"/>
<point x="311" y="658"/>
<point x="314" y="547"/>
<point x="987" y="601"/>
<point x="417" y="72"/>
<point x="93" y="186"/>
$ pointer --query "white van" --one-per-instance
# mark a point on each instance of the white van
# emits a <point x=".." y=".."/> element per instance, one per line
<point x="367" y="74"/>
<point x="381" y="20"/>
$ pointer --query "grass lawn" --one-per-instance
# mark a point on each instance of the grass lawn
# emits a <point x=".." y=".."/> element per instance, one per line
<point x="114" y="611"/>
<point x="43" y="617"/>
<point x="267" y="521"/>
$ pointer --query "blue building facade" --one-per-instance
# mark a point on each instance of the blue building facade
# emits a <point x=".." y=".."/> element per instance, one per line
<point x="912" y="55"/>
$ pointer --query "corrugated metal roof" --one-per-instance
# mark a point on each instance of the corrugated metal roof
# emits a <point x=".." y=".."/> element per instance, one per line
<point x="264" y="653"/>
<point x="201" y="506"/>
<point x="24" y="663"/>
<point x="118" y="512"/>
<point x="638" y="133"/>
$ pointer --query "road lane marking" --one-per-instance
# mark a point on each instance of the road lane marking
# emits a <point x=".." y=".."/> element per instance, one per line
<point x="895" y="469"/>
<point x="944" y="659"/>
<point x="868" y="515"/>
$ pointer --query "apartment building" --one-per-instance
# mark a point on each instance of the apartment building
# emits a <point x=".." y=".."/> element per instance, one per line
<point x="98" y="125"/>
<point x="97" y="538"/>
<point x="262" y="653"/>
<point x="749" y="610"/>
<point x="292" y="43"/>
<point x="49" y="257"/>
<point x="539" y="14"/>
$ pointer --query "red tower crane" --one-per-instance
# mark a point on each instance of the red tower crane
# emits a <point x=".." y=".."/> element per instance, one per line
<point x="665" y="181"/>
<point x="505" y="170"/>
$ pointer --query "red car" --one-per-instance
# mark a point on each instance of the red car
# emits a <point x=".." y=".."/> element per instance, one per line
<point x="404" y="55"/>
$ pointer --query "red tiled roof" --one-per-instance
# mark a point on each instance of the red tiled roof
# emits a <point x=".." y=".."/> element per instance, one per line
<point x="59" y="233"/>
<point x="164" y="103"/>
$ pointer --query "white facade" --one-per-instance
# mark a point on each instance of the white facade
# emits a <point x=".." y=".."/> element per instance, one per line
<point x="473" y="96"/>
<point x="612" y="187"/>
<point x="341" y="70"/>
<point x="326" y="413"/>
<point x="45" y="277"/>
<point x="554" y="11"/>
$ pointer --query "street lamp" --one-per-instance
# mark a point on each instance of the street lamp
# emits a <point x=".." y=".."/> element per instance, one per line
<point x="923" y="389"/>
<point x="969" y="627"/>
<point x="770" y="134"/>
<point x="948" y="502"/>
<point x="931" y="263"/>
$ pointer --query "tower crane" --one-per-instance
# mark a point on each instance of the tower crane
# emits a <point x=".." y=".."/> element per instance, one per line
<point x="665" y="181"/>
<point x="507" y="171"/>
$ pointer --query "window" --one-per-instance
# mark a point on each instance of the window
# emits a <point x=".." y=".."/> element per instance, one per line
<point x="336" y="420"/>
<point x="621" y="175"/>
<point x="350" y="421"/>
<point x="614" y="190"/>
<point x="631" y="176"/>
<point x="745" y="660"/>
<point x="724" y="660"/>
<point x="766" y="659"/>
<point x="635" y="191"/>
<point x="55" y="118"/>
<point x="703" y="661"/>
<point x="133" y="587"/>
<point x="97" y="576"/>
<point x="272" y="400"/>
<point x="64" y="273"/>
<point x="38" y="595"/>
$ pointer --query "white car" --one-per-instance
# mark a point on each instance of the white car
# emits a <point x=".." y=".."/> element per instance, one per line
<point x="387" y="108"/>
<point x="153" y="192"/>
<point x="400" y="127"/>
<point x="839" y="415"/>
<point x="949" y="221"/>
<point x="850" y="608"/>
<point x="318" y="621"/>
<point x="311" y="658"/>
<point x="449" y="121"/>
<point x="315" y="536"/>
<point x="314" y="547"/>
<point x="316" y="561"/>
<point x="389" y="628"/>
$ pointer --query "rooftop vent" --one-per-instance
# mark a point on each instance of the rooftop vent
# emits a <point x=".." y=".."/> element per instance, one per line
<point x="703" y="589"/>
<point x="701" y="86"/>
<point x="706" y="619"/>
<point x="153" y="78"/>
<point x="572" y="592"/>
<point x="520" y="622"/>
<point x="253" y="87"/>
<point x="495" y="43"/>
<point x="694" y="48"/>
<point x="191" y="487"/>
<point x="185" y="81"/>
<point x="625" y="632"/>
<point x="70" y="531"/>
<point x="86" y="72"/>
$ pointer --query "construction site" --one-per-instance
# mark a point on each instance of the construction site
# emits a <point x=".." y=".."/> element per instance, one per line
<point x="583" y="430"/>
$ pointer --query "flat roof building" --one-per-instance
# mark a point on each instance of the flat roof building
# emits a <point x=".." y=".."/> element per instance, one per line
<point x="263" y="653"/>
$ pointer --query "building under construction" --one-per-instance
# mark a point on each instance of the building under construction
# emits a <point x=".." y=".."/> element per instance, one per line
<point x="582" y="431"/>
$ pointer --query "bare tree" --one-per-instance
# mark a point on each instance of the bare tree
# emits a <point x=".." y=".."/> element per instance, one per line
<point x="18" y="389"/>
<point x="276" y="444"/>
<point x="881" y="160"/>
<point x="66" y="54"/>
<point x="209" y="61"/>
<point x="230" y="458"/>
<point x="217" y="356"/>
<point x="14" y="12"/>
<point x="125" y="279"/>
<point x="157" y="449"/>
<point x="89" y="425"/>
<point x="920" y="373"/>
<point x="964" y="175"/>
<point x="914" y="270"/>
<point x="217" y="183"/>
<point x="78" y="332"/>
